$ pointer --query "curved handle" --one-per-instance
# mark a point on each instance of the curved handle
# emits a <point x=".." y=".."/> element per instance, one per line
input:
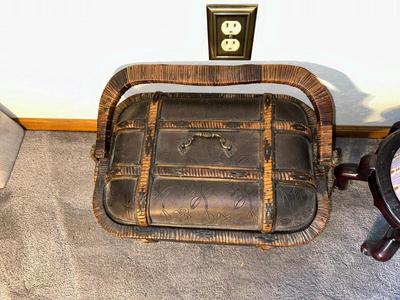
<point x="215" y="75"/>
<point x="225" y="145"/>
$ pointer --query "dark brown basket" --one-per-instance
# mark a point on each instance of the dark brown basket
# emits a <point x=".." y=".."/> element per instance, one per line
<point x="213" y="75"/>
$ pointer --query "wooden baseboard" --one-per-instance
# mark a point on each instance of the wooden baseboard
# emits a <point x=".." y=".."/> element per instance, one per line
<point x="373" y="132"/>
<point x="58" y="124"/>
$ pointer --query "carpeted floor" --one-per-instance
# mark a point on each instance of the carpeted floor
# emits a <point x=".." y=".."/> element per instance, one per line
<point x="51" y="246"/>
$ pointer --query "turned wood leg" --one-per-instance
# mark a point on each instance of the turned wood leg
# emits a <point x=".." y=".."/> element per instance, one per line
<point x="369" y="165"/>
<point x="385" y="248"/>
<point x="346" y="172"/>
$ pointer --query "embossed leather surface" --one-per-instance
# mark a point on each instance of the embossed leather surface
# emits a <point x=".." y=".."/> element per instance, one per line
<point x="203" y="180"/>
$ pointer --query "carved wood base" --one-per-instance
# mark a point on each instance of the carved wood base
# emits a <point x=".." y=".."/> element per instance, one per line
<point x="369" y="169"/>
<point x="385" y="248"/>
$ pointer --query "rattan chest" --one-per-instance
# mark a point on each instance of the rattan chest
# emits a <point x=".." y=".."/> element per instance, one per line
<point x="245" y="169"/>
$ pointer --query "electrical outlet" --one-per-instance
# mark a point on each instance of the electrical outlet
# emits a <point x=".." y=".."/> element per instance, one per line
<point x="229" y="27"/>
<point x="230" y="45"/>
<point x="231" y="31"/>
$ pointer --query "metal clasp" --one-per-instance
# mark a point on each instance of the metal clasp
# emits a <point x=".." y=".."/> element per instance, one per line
<point x="226" y="146"/>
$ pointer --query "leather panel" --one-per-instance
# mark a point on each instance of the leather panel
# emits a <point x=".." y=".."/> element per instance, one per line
<point x="292" y="152"/>
<point x="289" y="111"/>
<point x="211" y="108"/>
<point x="127" y="147"/>
<point x="295" y="207"/>
<point x="119" y="199"/>
<point x="135" y="111"/>
<point x="205" y="203"/>
<point x="209" y="152"/>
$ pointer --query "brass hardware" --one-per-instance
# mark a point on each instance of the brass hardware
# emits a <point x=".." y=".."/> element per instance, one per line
<point x="225" y="145"/>
<point x="231" y="31"/>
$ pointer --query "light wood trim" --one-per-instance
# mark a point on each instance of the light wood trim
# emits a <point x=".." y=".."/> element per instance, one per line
<point x="58" y="124"/>
<point x="372" y="132"/>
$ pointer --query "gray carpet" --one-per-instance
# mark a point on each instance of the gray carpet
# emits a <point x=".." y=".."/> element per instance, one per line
<point x="51" y="246"/>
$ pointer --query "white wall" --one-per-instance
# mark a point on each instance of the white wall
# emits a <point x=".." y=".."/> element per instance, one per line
<point x="56" y="56"/>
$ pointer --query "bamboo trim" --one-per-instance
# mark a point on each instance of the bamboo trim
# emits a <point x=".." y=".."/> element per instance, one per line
<point x="90" y="125"/>
<point x="135" y="124"/>
<point x="132" y="170"/>
<point x="200" y="172"/>
<point x="142" y="188"/>
<point x="211" y="124"/>
<point x="287" y="176"/>
<point x="267" y="209"/>
<point x="288" y="126"/>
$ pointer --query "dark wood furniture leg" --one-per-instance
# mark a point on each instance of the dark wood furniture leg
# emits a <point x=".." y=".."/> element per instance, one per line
<point x="361" y="171"/>
<point x="387" y="246"/>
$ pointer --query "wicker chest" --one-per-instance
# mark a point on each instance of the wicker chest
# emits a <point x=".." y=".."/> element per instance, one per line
<point x="214" y="168"/>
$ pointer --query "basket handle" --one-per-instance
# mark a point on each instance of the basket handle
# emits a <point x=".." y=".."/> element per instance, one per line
<point x="218" y="75"/>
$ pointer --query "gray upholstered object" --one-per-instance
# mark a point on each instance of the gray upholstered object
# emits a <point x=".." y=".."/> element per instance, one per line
<point x="11" y="136"/>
